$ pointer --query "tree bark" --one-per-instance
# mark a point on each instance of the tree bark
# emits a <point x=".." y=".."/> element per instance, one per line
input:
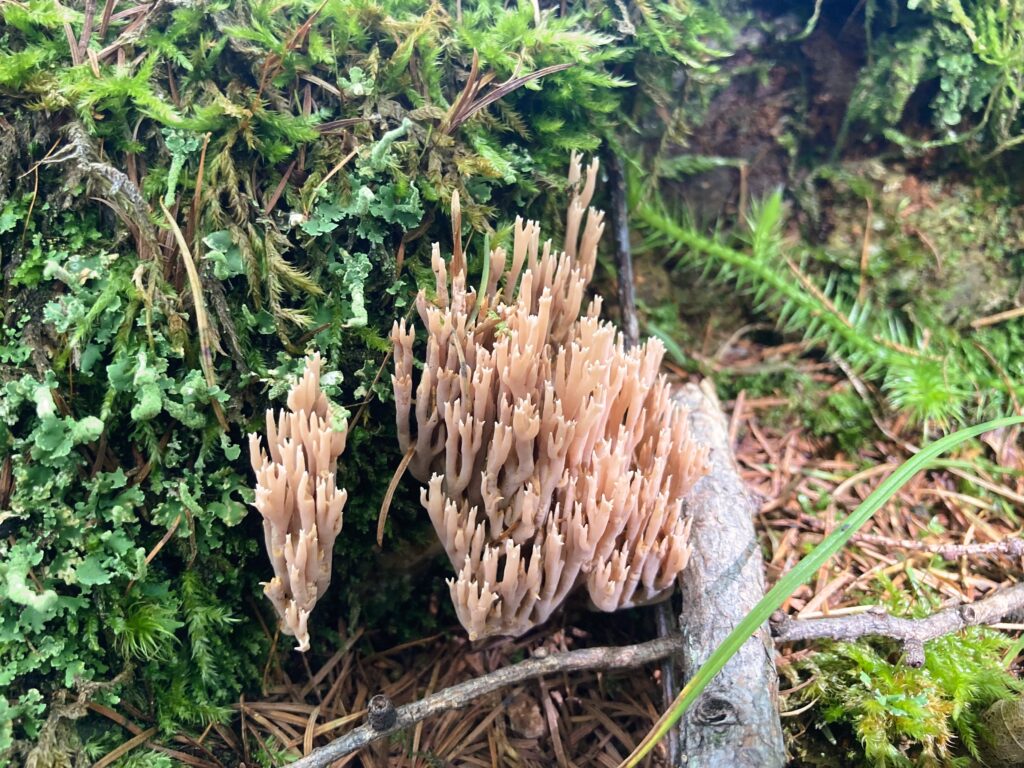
<point x="735" y="723"/>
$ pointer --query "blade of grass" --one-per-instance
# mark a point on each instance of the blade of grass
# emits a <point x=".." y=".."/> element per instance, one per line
<point x="800" y="574"/>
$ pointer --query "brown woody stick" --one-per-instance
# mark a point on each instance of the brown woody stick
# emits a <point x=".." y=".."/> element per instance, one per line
<point x="623" y="248"/>
<point x="630" y="325"/>
<point x="1012" y="546"/>
<point x="913" y="633"/>
<point x="459" y="696"/>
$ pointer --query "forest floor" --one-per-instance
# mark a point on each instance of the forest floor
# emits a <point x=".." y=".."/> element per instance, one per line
<point x="596" y="719"/>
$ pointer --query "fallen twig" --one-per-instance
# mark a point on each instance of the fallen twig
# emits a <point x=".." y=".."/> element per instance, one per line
<point x="623" y="248"/>
<point x="1012" y="546"/>
<point x="669" y="689"/>
<point x="458" y="696"/>
<point x="913" y="633"/>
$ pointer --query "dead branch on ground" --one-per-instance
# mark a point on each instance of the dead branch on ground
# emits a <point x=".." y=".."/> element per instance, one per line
<point x="912" y="633"/>
<point x="458" y="696"/>
<point x="1011" y="546"/>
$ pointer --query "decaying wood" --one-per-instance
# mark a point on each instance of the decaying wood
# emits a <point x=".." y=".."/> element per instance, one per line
<point x="458" y="696"/>
<point x="913" y="633"/>
<point x="735" y="723"/>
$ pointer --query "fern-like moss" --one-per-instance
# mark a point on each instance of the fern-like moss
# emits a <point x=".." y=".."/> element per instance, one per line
<point x="933" y="374"/>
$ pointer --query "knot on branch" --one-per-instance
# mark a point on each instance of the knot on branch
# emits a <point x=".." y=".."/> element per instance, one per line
<point x="913" y="653"/>
<point x="380" y="713"/>
<point x="716" y="710"/>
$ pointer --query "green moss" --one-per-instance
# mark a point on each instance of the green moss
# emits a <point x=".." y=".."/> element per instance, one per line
<point x="865" y="693"/>
<point x="963" y="61"/>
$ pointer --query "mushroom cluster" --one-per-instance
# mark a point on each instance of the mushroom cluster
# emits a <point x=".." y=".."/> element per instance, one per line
<point x="552" y="456"/>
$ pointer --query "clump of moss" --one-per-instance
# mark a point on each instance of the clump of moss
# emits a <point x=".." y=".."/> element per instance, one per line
<point x="868" y="702"/>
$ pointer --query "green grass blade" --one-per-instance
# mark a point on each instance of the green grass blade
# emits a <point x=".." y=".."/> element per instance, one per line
<point x="802" y="573"/>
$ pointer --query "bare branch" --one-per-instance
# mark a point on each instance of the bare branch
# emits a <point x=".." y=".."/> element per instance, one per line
<point x="913" y="633"/>
<point x="459" y="696"/>
<point x="623" y="248"/>
<point x="1012" y="546"/>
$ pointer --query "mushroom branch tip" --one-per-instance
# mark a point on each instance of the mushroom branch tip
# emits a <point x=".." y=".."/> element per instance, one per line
<point x="552" y="457"/>
<point x="298" y="499"/>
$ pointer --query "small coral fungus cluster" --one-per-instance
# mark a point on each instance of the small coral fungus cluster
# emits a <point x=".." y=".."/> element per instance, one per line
<point x="553" y="457"/>
<point x="297" y="496"/>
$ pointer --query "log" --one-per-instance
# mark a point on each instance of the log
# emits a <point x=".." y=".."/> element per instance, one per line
<point x="735" y="723"/>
